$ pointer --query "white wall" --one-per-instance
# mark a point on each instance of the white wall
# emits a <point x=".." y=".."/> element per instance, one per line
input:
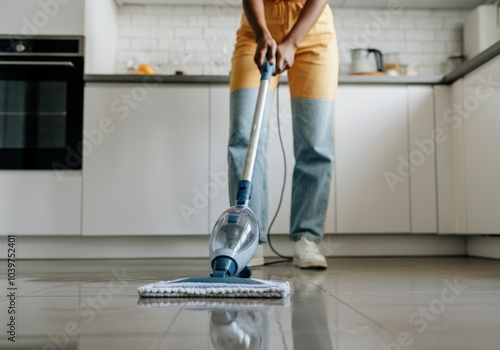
<point x="200" y="39"/>
<point x="101" y="32"/>
<point x="41" y="17"/>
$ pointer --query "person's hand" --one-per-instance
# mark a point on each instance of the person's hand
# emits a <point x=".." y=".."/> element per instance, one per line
<point x="285" y="56"/>
<point x="266" y="49"/>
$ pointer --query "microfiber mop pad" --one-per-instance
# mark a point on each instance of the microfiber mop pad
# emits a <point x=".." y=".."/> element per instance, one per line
<point x="216" y="287"/>
<point x="215" y="304"/>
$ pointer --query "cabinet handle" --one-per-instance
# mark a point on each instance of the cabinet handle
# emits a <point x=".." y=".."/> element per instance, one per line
<point x="37" y="63"/>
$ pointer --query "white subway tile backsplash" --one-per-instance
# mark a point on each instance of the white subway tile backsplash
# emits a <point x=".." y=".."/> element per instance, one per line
<point x="178" y="21"/>
<point x="434" y="47"/>
<point x="200" y="39"/>
<point x="422" y="35"/>
<point x="449" y="35"/>
<point x="134" y="32"/>
<point x="217" y="33"/>
<point x="414" y="47"/>
<point x="417" y="13"/>
<point x="132" y="9"/>
<point x="188" y="10"/>
<point x="447" y="13"/>
<point x="430" y="23"/>
<point x="200" y="58"/>
<point x="389" y="46"/>
<point x="144" y="20"/>
<point x="123" y="44"/>
<point x="393" y="35"/>
<point x="165" y="44"/>
<point x="430" y="59"/>
<point x="453" y="23"/>
<point x="222" y="21"/>
<point x="201" y="21"/>
<point x="410" y="58"/>
<point x="124" y="20"/>
<point x="162" y="33"/>
<point x="144" y="44"/>
<point x="200" y="45"/>
<point x="122" y="57"/>
<point x="407" y="23"/>
<point x="158" y="9"/>
<point x="359" y="22"/>
<point x="346" y="12"/>
<point x="188" y="32"/>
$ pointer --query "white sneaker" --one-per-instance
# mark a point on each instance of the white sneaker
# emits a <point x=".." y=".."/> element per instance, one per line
<point x="258" y="257"/>
<point x="307" y="255"/>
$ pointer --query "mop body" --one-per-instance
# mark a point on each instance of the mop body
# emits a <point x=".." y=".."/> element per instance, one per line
<point x="215" y="287"/>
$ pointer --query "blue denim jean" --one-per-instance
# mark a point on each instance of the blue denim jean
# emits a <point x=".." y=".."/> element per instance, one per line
<point x="312" y="121"/>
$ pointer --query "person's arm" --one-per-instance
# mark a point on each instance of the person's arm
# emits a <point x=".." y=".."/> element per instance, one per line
<point x="266" y="45"/>
<point x="285" y="52"/>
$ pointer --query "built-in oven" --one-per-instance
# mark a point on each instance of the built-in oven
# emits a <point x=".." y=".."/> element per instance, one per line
<point x="41" y="102"/>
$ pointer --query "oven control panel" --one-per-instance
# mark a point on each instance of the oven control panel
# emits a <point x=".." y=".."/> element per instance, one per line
<point x="49" y="46"/>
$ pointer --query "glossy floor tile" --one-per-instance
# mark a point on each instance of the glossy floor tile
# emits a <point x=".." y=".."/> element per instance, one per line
<point x="364" y="303"/>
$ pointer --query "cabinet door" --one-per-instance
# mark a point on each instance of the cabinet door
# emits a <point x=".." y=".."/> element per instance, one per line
<point x="35" y="17"/>
<point x="219" y="135"/>
<point x="145" y="169"/>
<point x="40" y="202"/>
<point x="422" y="143"/>
<point x="372" y="178"/>
<point x="450" y="161"/>
<point x="481" y="123"/>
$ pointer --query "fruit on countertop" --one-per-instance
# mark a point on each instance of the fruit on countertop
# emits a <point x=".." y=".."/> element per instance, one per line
<point x="145" y="69"/>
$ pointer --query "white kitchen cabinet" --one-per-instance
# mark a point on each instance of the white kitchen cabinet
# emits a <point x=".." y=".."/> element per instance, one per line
<point x="36" y="17"/>
<point x="219" y="134"/>
<point x="36" y="202"/>
<point x="146" y="171"/>
<point x="481" y="127"/>
<point x="450" y="160"/>
<point x="371" y="133"/>
<point x="422" y="156"/>
<point x="101" y="33"/>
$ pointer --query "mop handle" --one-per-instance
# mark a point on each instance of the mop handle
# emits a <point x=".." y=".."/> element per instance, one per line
<point x="253" y="143"/>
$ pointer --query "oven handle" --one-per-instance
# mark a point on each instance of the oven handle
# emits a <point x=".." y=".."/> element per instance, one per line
<point x="37" y="63"/>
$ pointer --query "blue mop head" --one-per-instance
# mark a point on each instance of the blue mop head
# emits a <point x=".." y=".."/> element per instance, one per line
<point x="216" y="287"/>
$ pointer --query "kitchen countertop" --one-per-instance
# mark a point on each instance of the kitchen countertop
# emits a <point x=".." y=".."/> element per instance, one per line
<point x="460" y="72"/>
<point x="224" y="79"/>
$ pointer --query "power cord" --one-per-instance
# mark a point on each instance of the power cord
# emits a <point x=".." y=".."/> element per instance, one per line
<point x="286" y="258"/>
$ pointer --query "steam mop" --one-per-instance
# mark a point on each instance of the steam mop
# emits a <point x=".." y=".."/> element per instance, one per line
<point x="234" y="238"/>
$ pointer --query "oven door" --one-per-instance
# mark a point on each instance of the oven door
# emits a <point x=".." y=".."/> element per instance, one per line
<point x="41" y="112"/>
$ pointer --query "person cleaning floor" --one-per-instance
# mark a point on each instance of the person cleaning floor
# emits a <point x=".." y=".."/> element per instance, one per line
<point x="299" y="37"/>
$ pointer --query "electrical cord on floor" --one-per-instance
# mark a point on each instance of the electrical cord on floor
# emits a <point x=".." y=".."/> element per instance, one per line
<point x="286" y="258"/>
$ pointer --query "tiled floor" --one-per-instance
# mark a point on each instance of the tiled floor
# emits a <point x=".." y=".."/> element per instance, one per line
<point x="364" y="303"/>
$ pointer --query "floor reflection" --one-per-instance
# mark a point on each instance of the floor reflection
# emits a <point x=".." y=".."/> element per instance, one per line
<point x="239" y="330"/>
<point x="309" y="316"/>
<point x="235" y="324"/>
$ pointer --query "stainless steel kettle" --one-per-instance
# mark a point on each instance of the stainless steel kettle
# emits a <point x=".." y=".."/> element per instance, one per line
<point x="360" y="62"/>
